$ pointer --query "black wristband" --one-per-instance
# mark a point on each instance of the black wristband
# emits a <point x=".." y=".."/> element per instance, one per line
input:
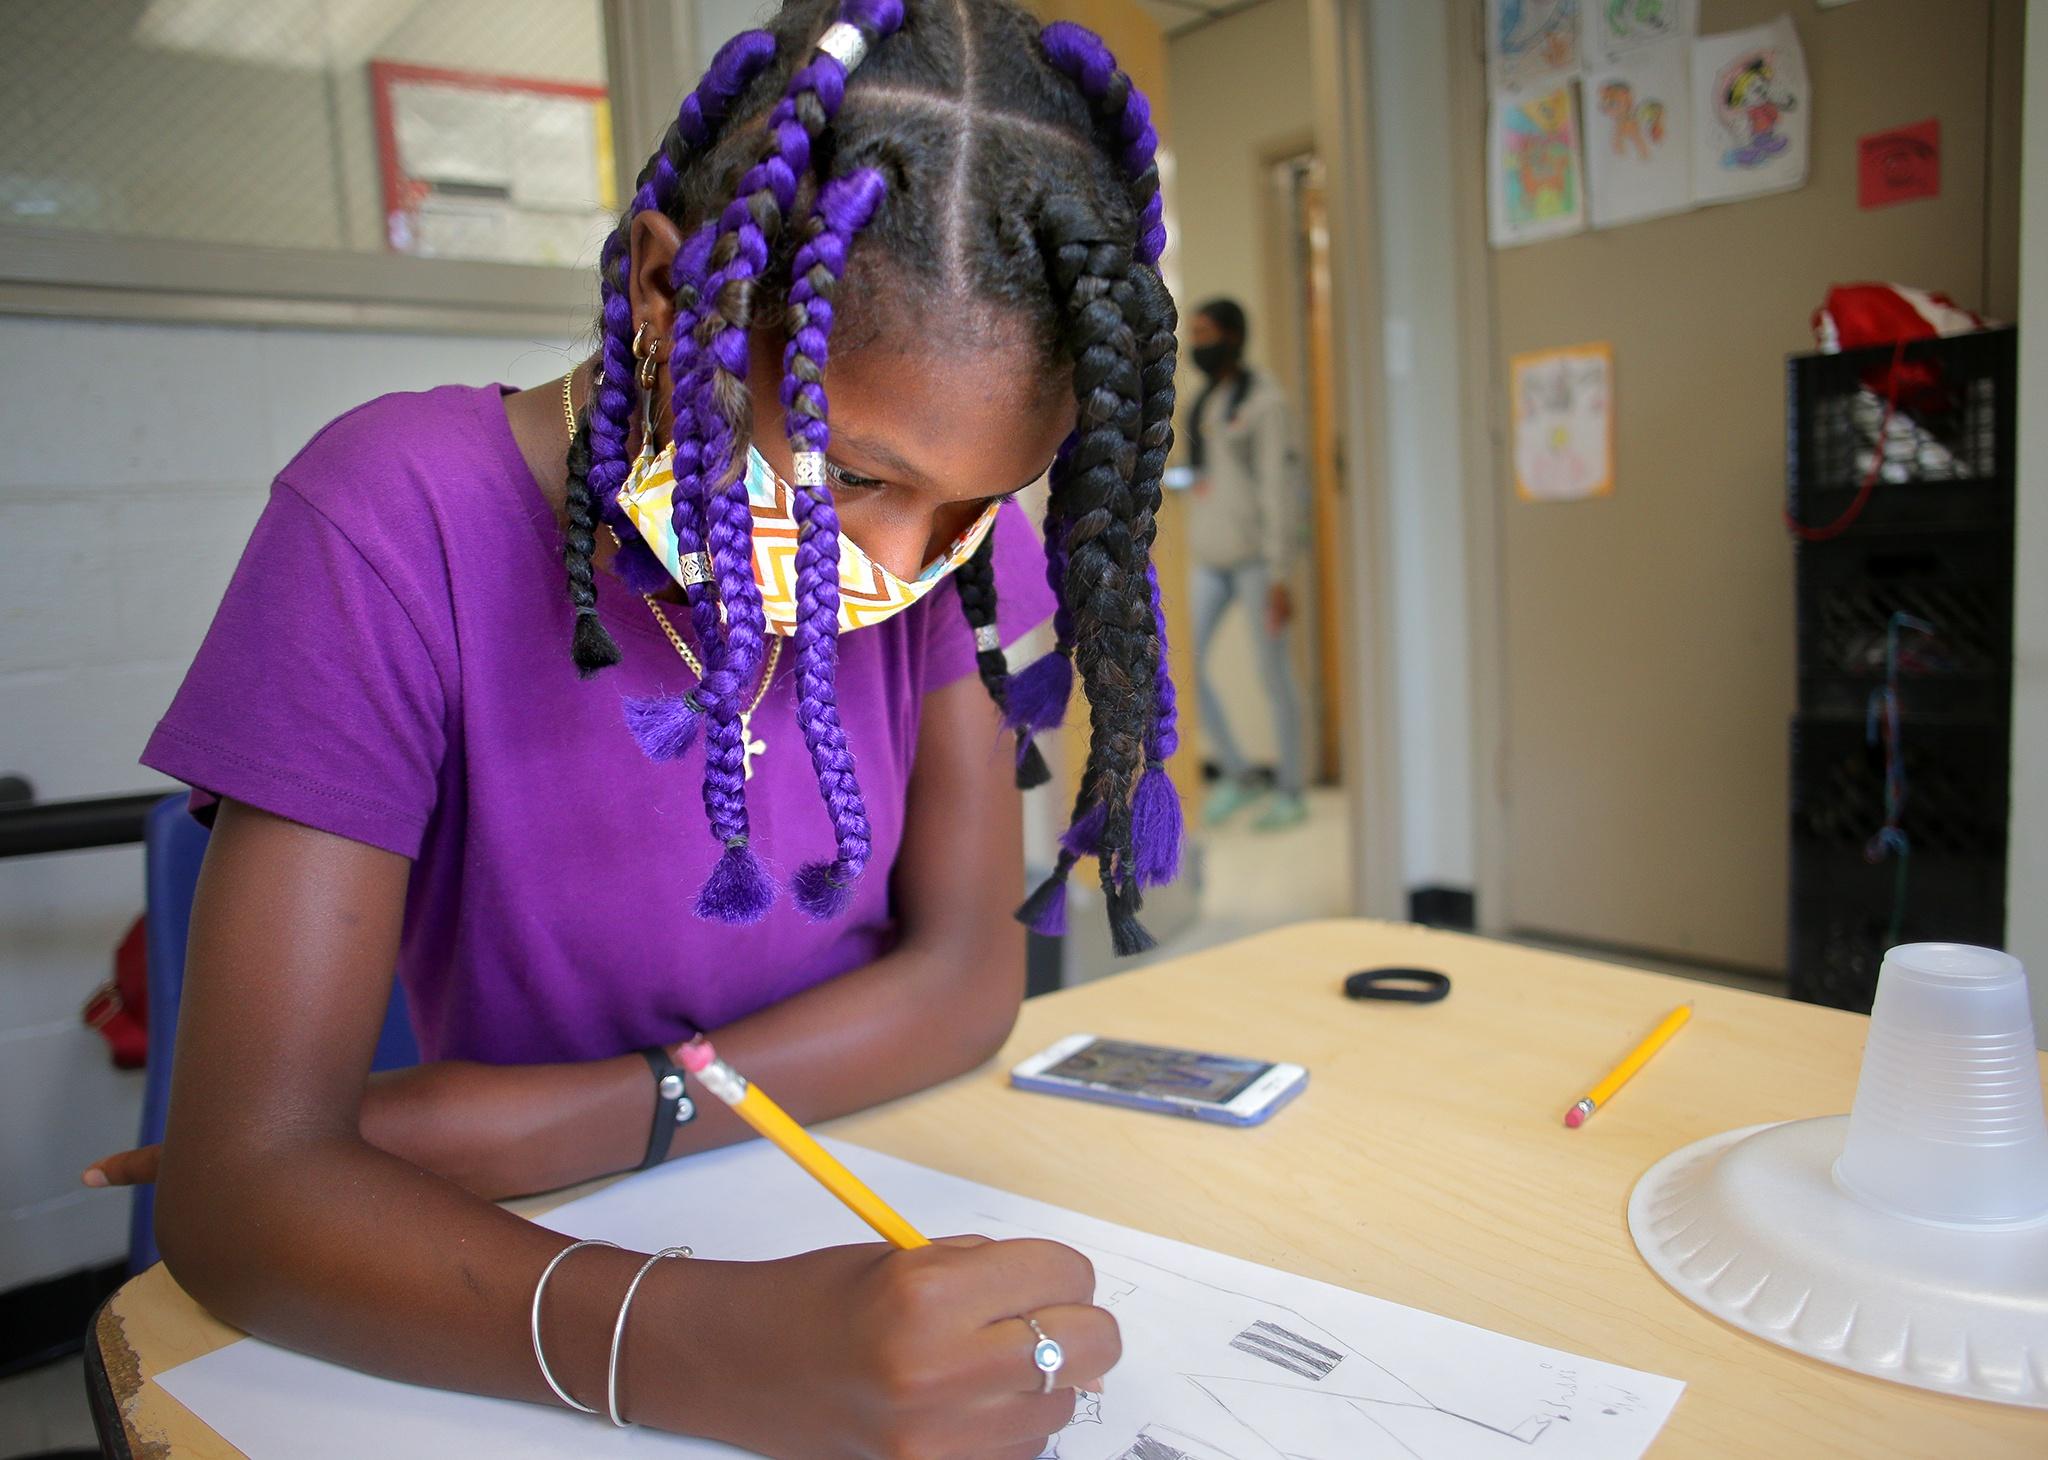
<point x="672" y="1105"/>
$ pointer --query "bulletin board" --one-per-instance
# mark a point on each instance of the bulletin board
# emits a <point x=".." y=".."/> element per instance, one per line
<point x="505" y="168"/>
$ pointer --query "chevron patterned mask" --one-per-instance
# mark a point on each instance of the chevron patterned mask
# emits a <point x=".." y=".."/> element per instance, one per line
<point x="868" y="592"/>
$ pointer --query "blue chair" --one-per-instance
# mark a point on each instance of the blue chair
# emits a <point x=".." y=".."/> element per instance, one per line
<point x="173" y="846"/>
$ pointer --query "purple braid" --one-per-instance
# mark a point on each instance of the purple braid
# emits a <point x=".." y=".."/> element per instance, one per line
<point x="666" y="725"/>
<point x="740" y="889"/>
<point x="1124" y="115"/>
<point x="732" y="70"/>
<point x="844" y="207"/>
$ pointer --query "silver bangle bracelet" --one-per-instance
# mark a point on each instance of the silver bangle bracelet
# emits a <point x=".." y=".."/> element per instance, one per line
<point x="611" y="1383"/>
<point x="541" y="1287"/>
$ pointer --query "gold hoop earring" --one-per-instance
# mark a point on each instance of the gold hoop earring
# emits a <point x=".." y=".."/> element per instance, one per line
<point x="644" y="351"/>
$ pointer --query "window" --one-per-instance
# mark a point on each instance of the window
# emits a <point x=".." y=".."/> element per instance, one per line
<point x="350" y="155"/>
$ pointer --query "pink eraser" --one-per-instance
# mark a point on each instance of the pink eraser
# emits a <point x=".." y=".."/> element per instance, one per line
<point x="696" y="1055"/>
<point x="1574" y="1118"/>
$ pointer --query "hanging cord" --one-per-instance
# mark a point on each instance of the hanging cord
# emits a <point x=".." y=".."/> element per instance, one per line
<point x="1869" y="483"/>
<point x="1881" y="721"/>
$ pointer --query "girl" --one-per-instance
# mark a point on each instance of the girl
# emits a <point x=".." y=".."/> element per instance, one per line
<point x="400" y="727"/>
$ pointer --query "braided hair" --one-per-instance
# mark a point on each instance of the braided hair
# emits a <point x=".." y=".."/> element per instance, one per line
<point x="969" y="160"/>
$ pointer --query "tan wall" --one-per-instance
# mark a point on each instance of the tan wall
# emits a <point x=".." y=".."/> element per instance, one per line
<point x="1648" y="637"/>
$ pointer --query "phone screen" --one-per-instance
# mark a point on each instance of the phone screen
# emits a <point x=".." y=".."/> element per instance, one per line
<point x="1144" y="1069"/>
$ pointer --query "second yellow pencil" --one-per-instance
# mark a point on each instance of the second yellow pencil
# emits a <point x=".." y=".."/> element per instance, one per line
<point x="1583" y="1109"/>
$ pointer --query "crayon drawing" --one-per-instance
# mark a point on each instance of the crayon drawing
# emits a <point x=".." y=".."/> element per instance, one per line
<point x="1561" y="402"/>
<point x="1531" y="43"/>
<point x="1537" y="189"/>
<point x="1752" y="112"/>
<point x="1615" y="28"/>
<point x="1639" y="137"/>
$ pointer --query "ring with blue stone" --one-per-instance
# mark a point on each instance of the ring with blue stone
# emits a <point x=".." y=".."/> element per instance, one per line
<point x="1047" y="1355"/>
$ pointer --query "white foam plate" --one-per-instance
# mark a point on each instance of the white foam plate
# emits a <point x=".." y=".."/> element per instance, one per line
<point x="1752" y="1226"/>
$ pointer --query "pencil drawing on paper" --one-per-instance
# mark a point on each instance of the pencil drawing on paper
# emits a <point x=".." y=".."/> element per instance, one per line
<point x="1231" y="1376"/>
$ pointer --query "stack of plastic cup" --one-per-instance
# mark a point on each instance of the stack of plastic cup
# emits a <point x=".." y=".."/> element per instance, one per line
<point x="1907" y="1240"/>
<point x="1948" y="1125"/>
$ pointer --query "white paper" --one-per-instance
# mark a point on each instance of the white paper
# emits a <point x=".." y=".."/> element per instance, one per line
<point x="1613" y="28"/>
<point x="1564" y="423"/>
<point x="1532" y="43"/>
<point x="1223" y="1359"/>
<point x="1535" y="186"/>
<point x="1639" y="136"/>
<point x="1753" y="111"/>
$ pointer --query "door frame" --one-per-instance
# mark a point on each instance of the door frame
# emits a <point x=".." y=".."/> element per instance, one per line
<point x="1339" y="74"/>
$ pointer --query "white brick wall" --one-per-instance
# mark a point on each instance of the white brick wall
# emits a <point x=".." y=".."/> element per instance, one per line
<point x="136" y="457"/>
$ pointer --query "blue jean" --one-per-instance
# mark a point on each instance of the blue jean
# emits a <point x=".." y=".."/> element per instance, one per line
<point x="1215" y="590"/>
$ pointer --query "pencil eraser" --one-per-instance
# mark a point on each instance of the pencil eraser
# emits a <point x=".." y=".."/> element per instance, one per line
<point x="696" y="1055"/>
<point x="1574" y="1118"/>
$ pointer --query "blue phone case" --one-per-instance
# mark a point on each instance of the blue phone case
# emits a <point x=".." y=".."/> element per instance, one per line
<point x="1214" y="1114"/>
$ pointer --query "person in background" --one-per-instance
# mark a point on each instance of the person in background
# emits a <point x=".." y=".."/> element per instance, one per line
<point x="1244" y="531"/>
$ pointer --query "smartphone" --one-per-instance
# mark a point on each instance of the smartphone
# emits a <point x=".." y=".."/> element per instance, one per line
<point x="1213" y="1087"/>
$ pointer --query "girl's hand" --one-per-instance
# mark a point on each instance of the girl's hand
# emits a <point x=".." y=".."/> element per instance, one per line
<point x="124" y="1168"/>
<point x="865" y="1353"/>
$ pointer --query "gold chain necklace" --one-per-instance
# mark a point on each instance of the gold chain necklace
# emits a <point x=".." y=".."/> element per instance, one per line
<point x="749" y="746"/>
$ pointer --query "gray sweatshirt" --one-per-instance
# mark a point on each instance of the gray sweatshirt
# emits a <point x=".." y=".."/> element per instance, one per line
<point x="1247" y="505"/>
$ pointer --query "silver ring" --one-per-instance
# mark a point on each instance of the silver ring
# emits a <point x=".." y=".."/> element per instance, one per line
<point x="1047" y="1355"/>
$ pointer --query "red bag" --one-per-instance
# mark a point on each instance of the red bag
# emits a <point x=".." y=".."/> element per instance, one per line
<point x="1857" y="316"/>
<point x="119" y="1008"/>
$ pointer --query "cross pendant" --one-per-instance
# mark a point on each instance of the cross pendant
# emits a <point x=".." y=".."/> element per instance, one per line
<point x="749" y="746"/>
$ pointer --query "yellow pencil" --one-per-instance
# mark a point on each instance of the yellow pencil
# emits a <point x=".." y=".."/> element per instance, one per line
<point x="752" y="1105"/>
<point x="1603" y="1092"/>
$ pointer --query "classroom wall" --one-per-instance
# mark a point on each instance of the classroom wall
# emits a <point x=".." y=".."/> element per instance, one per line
<point x="2026" y="932"/>
<point x="137" y="458"/>
<point x="1647" y="658"/>
<point x="1240" y="94"/>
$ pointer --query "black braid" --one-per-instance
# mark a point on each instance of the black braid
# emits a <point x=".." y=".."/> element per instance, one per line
<point x="1105" y="580"/>
<point x="977" y="585"/>
<point x="593" y="647"/>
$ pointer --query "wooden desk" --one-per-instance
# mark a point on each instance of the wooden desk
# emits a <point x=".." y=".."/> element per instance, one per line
<point x="1427" y="1163"/>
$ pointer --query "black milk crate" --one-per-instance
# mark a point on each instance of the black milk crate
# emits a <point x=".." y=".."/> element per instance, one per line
<point x="1842" y="918"/>
<point x="1953" y="450"/>
<point x="1958" y="581"/>
<point x="1842" y="902"/>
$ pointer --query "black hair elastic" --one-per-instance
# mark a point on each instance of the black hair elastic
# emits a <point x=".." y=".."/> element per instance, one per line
<point x="1398" y="985"/>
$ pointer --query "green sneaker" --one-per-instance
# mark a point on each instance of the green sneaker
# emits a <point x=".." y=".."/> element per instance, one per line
<point x="1286" y="810"/>
<point x="1229" y="798"/>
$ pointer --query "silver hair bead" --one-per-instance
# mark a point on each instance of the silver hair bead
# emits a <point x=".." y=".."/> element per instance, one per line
<point x="844" y="43"/>
<point x="696" y="568"/>
<point x="810" y="468"/>
<point x="987" y="637"/>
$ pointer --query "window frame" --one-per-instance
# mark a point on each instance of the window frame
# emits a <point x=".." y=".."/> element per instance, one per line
<point x="81" y="274"/>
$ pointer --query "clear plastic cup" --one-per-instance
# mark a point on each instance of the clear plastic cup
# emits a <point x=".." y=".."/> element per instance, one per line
<point x="1948" y="1125"/>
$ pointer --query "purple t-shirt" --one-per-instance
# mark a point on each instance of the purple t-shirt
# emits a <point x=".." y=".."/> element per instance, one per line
<point x="391" y="664"/>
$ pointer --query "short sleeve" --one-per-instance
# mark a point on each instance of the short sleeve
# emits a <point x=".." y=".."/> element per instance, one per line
<point x="1023" y="602"/>
<point x="314" y="696"/>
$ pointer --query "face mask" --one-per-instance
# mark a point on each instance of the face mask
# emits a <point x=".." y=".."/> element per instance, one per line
<point x="1215" y="358"/>
<point x="868" y="592"/>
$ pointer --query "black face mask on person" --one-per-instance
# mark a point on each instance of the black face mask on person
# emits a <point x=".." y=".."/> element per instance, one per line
<point x="1215" y="358"/>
